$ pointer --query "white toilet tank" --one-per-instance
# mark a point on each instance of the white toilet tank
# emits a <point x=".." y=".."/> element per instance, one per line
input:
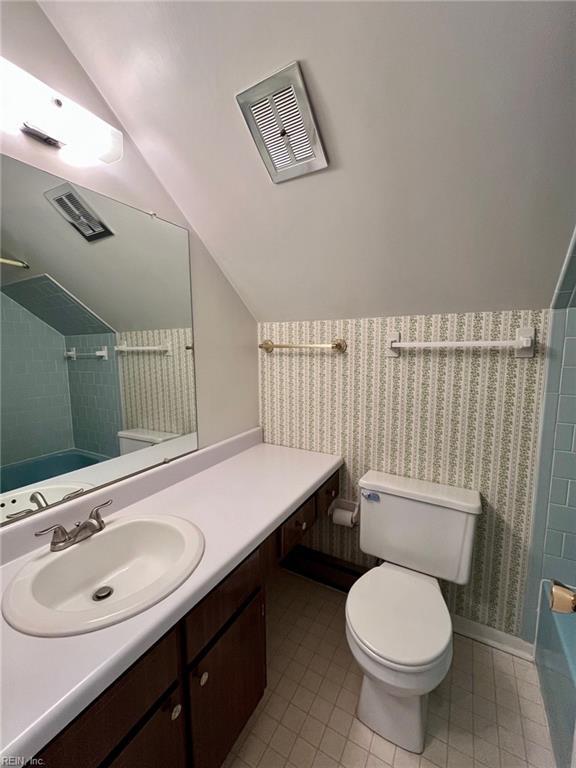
<point x="135" y="439"/>
<point x="423" y="526"/>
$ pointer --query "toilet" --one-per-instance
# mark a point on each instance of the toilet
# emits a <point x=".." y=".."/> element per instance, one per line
<point x="397" y="623"/>
<point x="134" y="439"/>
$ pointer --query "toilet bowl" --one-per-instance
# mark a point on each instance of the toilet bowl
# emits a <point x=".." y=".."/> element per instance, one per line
<point x="398" y="626"/>
<point x="400" y="633"/>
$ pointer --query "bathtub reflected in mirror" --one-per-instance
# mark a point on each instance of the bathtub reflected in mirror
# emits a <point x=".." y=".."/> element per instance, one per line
<point x="97" y="366"/>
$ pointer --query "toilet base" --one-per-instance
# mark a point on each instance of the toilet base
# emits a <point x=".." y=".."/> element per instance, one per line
<point x="399" y="719"/>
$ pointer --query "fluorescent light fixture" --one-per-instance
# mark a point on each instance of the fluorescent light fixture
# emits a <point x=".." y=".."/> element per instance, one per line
<point x="11" y="262"/>
<point x="28" y="105"/>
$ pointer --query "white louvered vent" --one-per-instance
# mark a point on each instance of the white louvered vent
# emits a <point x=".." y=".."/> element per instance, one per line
<point x="281" y="122"/>
<point x="78" y="213"/>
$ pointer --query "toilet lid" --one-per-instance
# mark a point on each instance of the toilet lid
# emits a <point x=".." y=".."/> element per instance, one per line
<point x="399" y="615"/>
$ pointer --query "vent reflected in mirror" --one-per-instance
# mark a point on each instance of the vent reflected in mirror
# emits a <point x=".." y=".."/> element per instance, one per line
<point x="97" y="377"/>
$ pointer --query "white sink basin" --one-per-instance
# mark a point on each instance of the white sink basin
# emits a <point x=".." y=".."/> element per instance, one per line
<point x="141" y="559"/>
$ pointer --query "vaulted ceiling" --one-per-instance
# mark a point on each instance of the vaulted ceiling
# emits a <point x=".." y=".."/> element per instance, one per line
<point x="450" y="130"/>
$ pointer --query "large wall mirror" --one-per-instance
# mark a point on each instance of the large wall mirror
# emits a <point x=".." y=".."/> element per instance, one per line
<point x="97" y="364"/>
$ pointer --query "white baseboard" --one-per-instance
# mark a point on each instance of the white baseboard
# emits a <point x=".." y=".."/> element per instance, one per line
<point x="493" y="637"/>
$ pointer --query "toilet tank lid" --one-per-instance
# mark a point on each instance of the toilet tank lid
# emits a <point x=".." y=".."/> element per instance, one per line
<point x="423" y="490"/>
<point x="147" y="435"/>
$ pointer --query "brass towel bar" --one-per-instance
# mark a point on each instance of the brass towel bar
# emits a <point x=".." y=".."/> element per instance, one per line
<point x="338" y="344"/>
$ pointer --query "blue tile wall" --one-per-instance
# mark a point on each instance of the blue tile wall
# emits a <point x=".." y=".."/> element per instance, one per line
<point x="553" y="550"/>
<point x="568" y="381"/>
<point x="564" y="465"/>
<point x="570" y="351"/>
<point x="95" y="395"/>
<point x="559" y="491"/>
<point x="553" y="543"/>
<point x="562" y="300"/>
<point x="564" y="437"/>
<point x="565" y="295"/>
<point x="569" y="546"/>
<point x="553" y="554"/>
<point x="34" y="393"/>
<point x="50" y="302"/>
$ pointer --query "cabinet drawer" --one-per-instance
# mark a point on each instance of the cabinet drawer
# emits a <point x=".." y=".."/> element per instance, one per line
<point x="226" y="685"/>
<point x="161" y="741"/>
<point x="209" y="616"/>
<point x="326" y="494"/>
<point x="293" y="530"/>
<point x="89" y="739"/>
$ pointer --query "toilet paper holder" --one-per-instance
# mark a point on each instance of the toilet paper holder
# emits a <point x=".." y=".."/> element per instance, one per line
<point x="562" y="598"/>
<point x="344" y="512"/>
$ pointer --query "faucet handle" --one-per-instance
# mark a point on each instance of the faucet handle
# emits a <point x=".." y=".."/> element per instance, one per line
<point x="96" y="516"/>
<point x="60" y="534"/>
<point x="72" y="494"/>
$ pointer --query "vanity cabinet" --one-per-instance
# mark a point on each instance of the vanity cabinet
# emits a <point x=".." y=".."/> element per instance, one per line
<point x="185" y="701"/>
<point x="293" y="530"/>
<point x="211" y="614"/>
<point x="101" y="728"/>
<point x="160" y="741"/>
<point x="226" y="658"/>
<point x="226" y="685"/>
<point x="326" y="494"/>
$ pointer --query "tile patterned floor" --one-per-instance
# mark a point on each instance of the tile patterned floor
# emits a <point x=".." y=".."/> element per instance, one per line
<point x="488" y="712"/>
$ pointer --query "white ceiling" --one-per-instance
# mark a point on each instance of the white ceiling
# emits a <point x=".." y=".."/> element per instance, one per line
<point x="450" y="130"/>
<point x="137" y="280"/>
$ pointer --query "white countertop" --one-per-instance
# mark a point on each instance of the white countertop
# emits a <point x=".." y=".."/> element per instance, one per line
<point x="236" y="503"/>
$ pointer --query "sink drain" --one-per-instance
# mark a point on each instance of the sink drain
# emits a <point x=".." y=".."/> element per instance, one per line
<point x="102" y="593"/>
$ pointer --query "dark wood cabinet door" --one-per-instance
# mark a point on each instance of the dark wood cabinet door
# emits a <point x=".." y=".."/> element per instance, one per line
<point x="293" y="530"/>
<point x="161" y="741"/>
<point x="95" y="733"/>
<point x="326" y="494"/>
<point x="208" y="617"/>
<point x="270" y="554"/>
<point x="226" y="685"/>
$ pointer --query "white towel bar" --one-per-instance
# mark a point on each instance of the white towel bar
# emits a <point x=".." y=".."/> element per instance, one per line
<point x="523" y="345"/>
<point x="99" y="354"/>
<point x="165" y="349"/>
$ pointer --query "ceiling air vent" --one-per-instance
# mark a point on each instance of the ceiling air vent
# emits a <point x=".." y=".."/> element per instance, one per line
<point x="281" y="122"/>
<point x="77" y="212"/>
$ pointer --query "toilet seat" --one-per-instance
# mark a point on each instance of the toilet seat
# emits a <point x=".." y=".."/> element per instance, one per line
<point x="399" y="618"/>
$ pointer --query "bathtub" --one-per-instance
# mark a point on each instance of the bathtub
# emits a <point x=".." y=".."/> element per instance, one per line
<point x="43" y="467"/>
<point x="556" y="662"/>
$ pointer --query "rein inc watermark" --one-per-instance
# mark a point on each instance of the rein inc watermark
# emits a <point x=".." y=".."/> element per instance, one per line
<point x="22" y="761"/>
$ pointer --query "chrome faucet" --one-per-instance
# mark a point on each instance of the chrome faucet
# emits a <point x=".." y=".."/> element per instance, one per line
<point x="73" y="494"/>
<point x="62" y="539"/>
<point x="39" y="499"/>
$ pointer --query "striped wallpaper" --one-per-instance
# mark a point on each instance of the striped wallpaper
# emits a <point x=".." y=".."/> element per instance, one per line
<point x="158" y="390"/>
<point x="464" y="417"/>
